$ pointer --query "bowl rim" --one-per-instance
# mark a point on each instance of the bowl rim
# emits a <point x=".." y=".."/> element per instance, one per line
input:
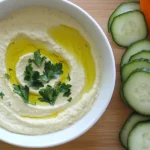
<point x="88" y="126"/>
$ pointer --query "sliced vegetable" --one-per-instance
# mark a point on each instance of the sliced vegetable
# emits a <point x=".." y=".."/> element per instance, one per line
<point x="133" y="49"/>
<point x="128" y="126"/>
<point x="121" y="95"/>
<point x="122" y="8"/>
<point x="128" y="28"/>
<point x="145" y="5"/>
<point x="131" y="66"/>
<point x="136" y="91"/>
<point x="139" y="138"/>
<point x="142" y="54"/>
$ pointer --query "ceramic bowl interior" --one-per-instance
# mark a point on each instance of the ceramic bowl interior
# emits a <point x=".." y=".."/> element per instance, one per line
<point x="107" y="84"/>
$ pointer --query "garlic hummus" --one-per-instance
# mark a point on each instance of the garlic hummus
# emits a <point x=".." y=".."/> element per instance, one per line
<point x="61" y="39"/>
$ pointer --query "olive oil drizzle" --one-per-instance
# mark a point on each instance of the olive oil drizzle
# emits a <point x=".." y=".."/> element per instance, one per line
<point x="75" y="44"/>
<point x="68" y="38"/>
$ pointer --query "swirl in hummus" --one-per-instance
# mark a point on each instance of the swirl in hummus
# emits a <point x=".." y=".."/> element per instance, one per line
<point x="59" y="41"/>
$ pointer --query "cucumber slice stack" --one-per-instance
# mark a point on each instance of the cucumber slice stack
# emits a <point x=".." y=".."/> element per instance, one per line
<point x="123" y="8"/>
<point x="139" y="138"/>
<point x="135" y="92"/>
<point x="129" y="125"/>
<point x="127" y="24"/>
<point x="129" y="29"/>
<point x="135" y="76"/>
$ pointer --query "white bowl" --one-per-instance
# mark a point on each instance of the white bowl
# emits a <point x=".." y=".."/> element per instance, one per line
<point x="107" y="84"/>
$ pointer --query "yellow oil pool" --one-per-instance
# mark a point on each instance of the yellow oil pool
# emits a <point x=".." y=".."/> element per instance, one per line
<point x="74" y="43"/>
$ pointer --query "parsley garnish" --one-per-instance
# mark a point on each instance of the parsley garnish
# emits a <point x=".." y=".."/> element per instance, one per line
<point x="2" y="95"/>
<point x="70" y="99"/>
<point x="50" y="94"/>
<point x="22" y="91"/>
<point x="63" y="88"/>
<point x="33" y="77"/>
<point x="28" y="72"/>
<point x="51" y="71"/>
<point x="68" y="77"/>
<point x="7" y="76"/>
<point x="38" y="59"/>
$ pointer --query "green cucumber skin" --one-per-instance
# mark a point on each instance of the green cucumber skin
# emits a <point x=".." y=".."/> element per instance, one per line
<point x="109" y="25"/>
<point x="135" y="127"/>
<point x="130" y="48"/>
<point x="122" y="97"/>
<point x="144" y="51"/>
<point x="121" y="130"/>
<point x="145" y="70"/>
<point x="123" y="46"/>
<point x="145" y="118"/>
<point x="132" y="62"/>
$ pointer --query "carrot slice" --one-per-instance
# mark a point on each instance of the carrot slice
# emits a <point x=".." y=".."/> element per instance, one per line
<point x="145" y="7"/>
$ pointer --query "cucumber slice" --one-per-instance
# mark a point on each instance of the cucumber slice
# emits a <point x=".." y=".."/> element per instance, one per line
<point x="128" y="126"/>
<point x="122" y="8"/>
<point x="139" y="138"/>
<point x="136" y="91"/>
<point x="135" y="48"/>
<point x="131" y="66"/>
<point x="142" y="54"/>
<point x="128" y="28"/>
<point x="121" y="95"/>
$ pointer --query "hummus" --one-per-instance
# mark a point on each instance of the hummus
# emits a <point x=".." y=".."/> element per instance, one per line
<point x="61" y="39"/>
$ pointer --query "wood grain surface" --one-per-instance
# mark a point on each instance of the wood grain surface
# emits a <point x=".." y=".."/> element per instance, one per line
<point x="104" y="135"/>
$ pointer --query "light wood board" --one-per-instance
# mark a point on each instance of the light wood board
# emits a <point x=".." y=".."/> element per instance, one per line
<point x="104" y="135"/>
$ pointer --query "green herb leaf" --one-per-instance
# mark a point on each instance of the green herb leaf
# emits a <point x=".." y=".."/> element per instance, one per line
<point x="63" y="88"/>
<point x="38" y="59"/>
<point x="22" y="91"/>
<point x="28" y="72"/>
<point x="68" y="77"/>
<point x="70" y="99"/>
<point x="33" y="77"/>
<point x="50" y="94"/>
<point x="51" y="71"/>
<point x="30" y="61"/>
<point x="35" y="80"/>
<point x="7" y="76"/>
<point x="2" y="95"/>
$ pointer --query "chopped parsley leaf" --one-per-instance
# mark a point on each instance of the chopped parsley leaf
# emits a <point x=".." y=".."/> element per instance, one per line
<point x="38" y="59"/>
<point x="51" y="71"/>
<point x="50" y="94"/>
<point x="22" y="91"/>
<point x="2" y="95"/>
<point x="70" y="99"/>
<point x="68" y="77"/>
<point x="7" y="76"/>
<point x="33" y="77"/>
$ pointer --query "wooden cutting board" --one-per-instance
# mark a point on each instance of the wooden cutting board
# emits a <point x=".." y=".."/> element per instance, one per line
<point x="104" y="135"/>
